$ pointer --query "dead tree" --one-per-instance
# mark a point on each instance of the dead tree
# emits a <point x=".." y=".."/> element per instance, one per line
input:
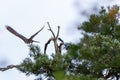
<point x="26" y="40"/>
<point x="54" y="38"/>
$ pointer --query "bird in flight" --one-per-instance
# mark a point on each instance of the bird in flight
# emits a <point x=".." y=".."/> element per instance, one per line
<point x="26" y="40"/>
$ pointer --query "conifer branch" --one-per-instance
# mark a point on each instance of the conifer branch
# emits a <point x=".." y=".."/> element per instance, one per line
<point x="10" y="67"/>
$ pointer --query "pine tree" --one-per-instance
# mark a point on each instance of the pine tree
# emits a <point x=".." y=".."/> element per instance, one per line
<point x="99" y="49"/>
<point x="97" y="52"/>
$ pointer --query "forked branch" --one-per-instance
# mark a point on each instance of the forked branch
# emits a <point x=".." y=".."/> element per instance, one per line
<point x="54" y="39"/>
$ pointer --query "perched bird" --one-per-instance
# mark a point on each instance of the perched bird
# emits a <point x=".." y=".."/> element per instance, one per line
<point x="26" y="40"/>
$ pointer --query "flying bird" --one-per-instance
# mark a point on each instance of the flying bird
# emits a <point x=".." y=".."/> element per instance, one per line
<point x="26" y="40"/>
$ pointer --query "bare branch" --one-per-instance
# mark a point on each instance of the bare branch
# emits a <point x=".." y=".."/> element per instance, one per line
<point x="60" y="47"/>
<point x="9" y="67"/>
<point x="54" y="39"/>
<point x="58" y="32"/>
<point x="51" y="29"/>
<point x="48" y="42"/>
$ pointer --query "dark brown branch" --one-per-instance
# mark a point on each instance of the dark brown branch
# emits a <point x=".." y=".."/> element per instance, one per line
<point x="60" y="47"/>
<point x="9" y="67"/>
<point x="46" y="44"/>
<point x="61" y="44"/>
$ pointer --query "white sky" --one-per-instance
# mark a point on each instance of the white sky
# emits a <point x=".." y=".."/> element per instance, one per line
<point x="28" y="16"/>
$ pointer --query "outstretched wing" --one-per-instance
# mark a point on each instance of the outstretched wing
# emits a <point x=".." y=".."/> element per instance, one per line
<point x="35" y="34"/>
<point x="16" y="33"/>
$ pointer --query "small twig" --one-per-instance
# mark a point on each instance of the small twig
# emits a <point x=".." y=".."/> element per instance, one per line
<point x="10" y="67"/>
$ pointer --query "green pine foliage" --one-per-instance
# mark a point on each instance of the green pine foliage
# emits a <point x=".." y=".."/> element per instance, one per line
<point x="100" y="47"/>
<point x="98" y="50"/>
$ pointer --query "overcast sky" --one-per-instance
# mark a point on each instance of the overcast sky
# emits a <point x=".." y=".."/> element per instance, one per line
<point x="28" y="16"/>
